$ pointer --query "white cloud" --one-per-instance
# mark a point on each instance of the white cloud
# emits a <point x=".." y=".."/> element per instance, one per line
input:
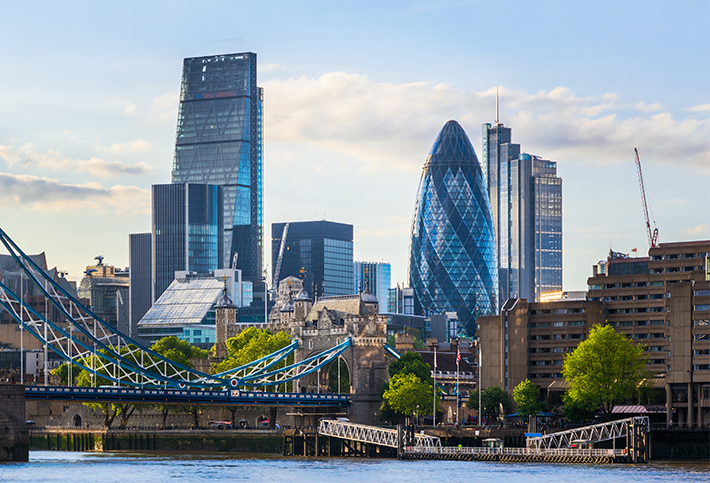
<point x="161" y="109"/>
<point x="700" y="108"/>
<point x="271" y="67"/>
<point x="703" y="230"/>
<point x="391" y="126"/>
<point x="26" y="157"/>
<point x="139" y="145"/>
<point x="45" y="194"/>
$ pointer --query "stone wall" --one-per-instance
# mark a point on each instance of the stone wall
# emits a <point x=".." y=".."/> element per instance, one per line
<point x="14" y="435"/>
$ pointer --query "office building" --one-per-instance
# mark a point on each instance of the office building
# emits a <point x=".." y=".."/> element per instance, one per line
<point x="318" y="252"/>
<point x="377" y="277"/>
<point x="400" y="300"/>
<point x="526" y="205"/>
<point x="140" y="279"/>
<point x="186" y="309"/>
<point x="107" y="291"/>
<point x="219" y="142"/>
<point x="661" y="301"/>
<point x="452" y="258"/>
<point x="186" y="232"/>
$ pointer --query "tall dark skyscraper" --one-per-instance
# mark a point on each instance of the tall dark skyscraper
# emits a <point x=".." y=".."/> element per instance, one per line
<point x="187" y="227"/>
<point x="318" y="252"/>
<point x="219" y="142"/>
<point x="140" y="279"/>
<point x="526" y="204"/>
<point x="452" y="253"/>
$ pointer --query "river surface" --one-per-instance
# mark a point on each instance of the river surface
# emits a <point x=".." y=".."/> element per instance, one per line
<point x="70" y="467"/>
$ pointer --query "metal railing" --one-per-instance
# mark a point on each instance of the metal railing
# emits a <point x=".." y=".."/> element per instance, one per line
<point x="593" y="434"/>
<point x="451" y="450"/>
<point x="372" y="434"/>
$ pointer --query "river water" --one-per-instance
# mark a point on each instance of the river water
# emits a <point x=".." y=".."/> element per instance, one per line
<point x="70" y="467"/>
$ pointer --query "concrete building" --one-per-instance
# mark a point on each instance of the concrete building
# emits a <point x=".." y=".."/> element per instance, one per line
<point x="661" y="301"/>
<point x="106" y="288"/>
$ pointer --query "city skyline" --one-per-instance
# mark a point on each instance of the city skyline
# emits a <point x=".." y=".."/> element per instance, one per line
<point x="90" y="116"/>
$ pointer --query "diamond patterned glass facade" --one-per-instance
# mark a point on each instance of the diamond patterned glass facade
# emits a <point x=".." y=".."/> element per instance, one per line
<point x="219" y="142"/>
<point x="452" y="255"/>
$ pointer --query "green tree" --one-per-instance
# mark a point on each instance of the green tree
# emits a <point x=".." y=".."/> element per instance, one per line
<point x="527" y="396"/>
<point x="178" y="350"/>
<point x="250" y="345"/>
<point x="604" y="370"/>
<point x="61" y="371"/>
<point x="344" y="381"/>
<point x="408" y="395"/>
<point x="411" y="363"/>
<point x="495" y="402"/>
<point x="574" y="412"/>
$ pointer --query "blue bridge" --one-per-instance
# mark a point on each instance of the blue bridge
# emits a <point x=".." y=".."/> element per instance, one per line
<point x="183" y="396"/>
<point x="138" y="374"/>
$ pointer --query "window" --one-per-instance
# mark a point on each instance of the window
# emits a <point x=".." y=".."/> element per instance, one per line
<point x="531" y="325"/>
<point x="626" y="311"/>
<point x="532" y="312"/>
<point x="610" y="299"/>
<point x="642" y="297"/>
<point x="642" y="322"/>
<point x="657" y="335"/>
<point x="657" y="322"/>
<point x="673" y="256"/>
<point x="558" y="349"/>
<point x="656" y="361"/>
<point x="560" y="311"/>
<point x="532" y="350"/>
<point x="576" y="323"/>
<point x="656" y="310"/>
<point x="640" y="336"/>
<point x="626" y="285"/>
<point x="657" y="270"/>
<point x="558" y="324"/>
<point x="557" y="362"/>
<point x="702" y="307"/>
<point x="657" y="258"/>
<point x="702" y="336"/>
<point x="576" y="336"/>
<point x="641" y="284"/>
<point x="705" y="391"/>
<point x="626" y="323"/>
<point x="701" y="367"/>
<point x="656" y="296"/>
<point x="595" y="286"/>
<point x="577" y="310"/>
<point x="610" y="285"/>
<point x="610" y="311"/>
<point x="544" y="337"/>
<point x="702" y="321"/>
<point x="689" y="255"/>
<point x="560" y="336"/>
<point x="656" y="348"/>
<point x="544" y="350"/>
<point x="673" y="269"/>
<point x="657" y="283"/>
<point x="544" y="325"/>
<point x="701" y="352"/>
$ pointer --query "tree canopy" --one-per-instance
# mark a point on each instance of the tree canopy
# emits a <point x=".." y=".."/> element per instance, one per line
<point x="604" y="370"/>
<point x="250" y="345"/>
<point x="494" y="401"/>
<point x="408" y="395"/>
<point x="527" y="397"/>
<point x="178" y="350"/>
<point x="411" y="363"/>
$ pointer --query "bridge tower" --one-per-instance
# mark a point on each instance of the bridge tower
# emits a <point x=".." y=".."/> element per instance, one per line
<point x="329" y="321"/>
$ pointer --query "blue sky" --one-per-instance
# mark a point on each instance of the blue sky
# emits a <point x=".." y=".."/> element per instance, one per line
<point x="355" y="93"/>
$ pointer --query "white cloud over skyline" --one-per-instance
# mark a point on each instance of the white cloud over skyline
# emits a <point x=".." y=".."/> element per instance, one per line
<point x="27" y="157"/>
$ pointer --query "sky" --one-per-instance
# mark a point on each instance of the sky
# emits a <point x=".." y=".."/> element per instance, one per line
<point x="354" y="96"/>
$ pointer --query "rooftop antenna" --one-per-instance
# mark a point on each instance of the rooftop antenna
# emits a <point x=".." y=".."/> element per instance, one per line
<point x="497" y="109"/>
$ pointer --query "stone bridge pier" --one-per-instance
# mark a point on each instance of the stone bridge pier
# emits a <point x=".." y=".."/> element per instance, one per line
<point x="14" y="435"/>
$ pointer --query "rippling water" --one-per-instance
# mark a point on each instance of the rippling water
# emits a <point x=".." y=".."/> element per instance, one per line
<point x="128" y="468"/>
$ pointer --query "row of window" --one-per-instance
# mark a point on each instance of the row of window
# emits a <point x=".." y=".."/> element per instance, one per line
<point x="576" y="310"/>
<point x="676" y="256"/>
<point x="702" y="307"/>
<point x="674" y="269"/>
<point x="546" y="350"/>
<point x="702" y="293"/>
<point x="626" y="298"/>
<point x="543" y="325"/>
<point x="599" y="286"/>
<point x="638" y="310"/>
<point x="639" y="323"/>
<point x="557" y="362"/>
<point x="556" y="337"/>
<point x="545" y="375"/>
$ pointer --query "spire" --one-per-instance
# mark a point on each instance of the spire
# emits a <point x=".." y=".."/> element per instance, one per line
<point x="497" y="109"/>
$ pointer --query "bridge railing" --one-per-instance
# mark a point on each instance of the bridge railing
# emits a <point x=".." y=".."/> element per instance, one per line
<point x="594" y="433"/>
<point x="371" y="434"/>
<point x="449" y="450"/>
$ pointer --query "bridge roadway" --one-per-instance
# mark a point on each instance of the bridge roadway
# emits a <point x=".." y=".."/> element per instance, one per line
<point x="184" y="396"/>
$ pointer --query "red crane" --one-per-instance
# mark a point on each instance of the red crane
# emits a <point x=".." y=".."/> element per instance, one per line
<point x="652" y="234"/>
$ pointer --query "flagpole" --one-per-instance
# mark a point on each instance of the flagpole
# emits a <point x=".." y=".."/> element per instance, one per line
<point x="434" y="413"/>
<point x="458" y="398"/>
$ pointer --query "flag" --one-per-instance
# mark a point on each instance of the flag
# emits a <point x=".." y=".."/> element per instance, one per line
<point x="634" y="250"/>
<point x="458" y="357"/>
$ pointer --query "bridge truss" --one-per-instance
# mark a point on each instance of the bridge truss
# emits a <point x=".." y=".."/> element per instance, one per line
<point x="593" y="434"/>
<point x="86" y="341"/>
<point x="371" y="434"/>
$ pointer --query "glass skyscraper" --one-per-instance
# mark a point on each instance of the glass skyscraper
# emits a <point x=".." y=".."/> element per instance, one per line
<point x="374" y="276"/>
<point x="452" y="254"/>
<point x="526" y="203"/>
<point x="219" y="142"/>
<point x="318" y="252"/>
<point x="186" y="232"/>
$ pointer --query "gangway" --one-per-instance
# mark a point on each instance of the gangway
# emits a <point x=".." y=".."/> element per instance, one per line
<point x="372" y="434"/>
<point x="636" y="431"/>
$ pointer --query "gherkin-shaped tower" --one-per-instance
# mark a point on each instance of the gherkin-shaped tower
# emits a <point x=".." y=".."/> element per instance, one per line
<point x="452" y="251"/>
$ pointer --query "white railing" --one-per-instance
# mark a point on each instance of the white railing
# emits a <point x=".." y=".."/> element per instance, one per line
<point x="593" y="434"/>
<point x="451" y="450"/>
<point x="372" y="434"/>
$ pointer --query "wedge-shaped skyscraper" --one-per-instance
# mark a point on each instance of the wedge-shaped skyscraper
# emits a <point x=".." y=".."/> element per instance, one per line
<point x="452" y="253"/>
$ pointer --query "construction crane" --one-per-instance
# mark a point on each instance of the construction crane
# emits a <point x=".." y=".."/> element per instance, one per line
<point x="652" y="234"/>
<point x="279" y="260"/>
